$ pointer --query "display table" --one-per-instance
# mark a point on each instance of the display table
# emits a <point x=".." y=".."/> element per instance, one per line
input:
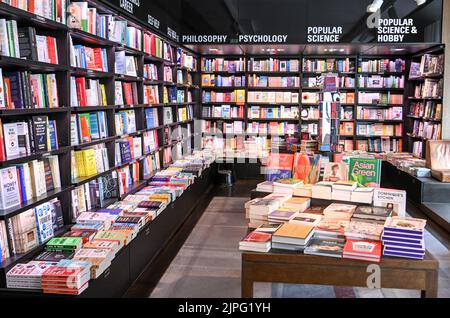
<point x="295" y="268"/>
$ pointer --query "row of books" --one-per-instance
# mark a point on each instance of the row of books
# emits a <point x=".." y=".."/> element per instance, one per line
<point x="384" y="144"/>
<point x="222" y="65"/>
<point x="428" y="110"/>
<point x="308" y="113"/>
<point x="128" y="149"/>
<point x="273" y="128"/>
<point x="391" y="113"/>
<point x="378" y="81"/>
<point x="126" y="93"/>
<point x="26" y="90"/>
<point x="151" y="94"/>
<point x="212" y="80"/>
<point x="87" y="127"/>
<point x="274" y="81"/>
<point x="87" y="250"/>
<point x="87" y="92"/>
<point x="174" y="95"/>
<point x="223" y="111"/>
<point x="272" y="65"/>
<point x="168" y="74"/>
<point x="89" y="161"/>
<point x="382" y="65"/>
<point x="272" y="97"/>
<point x="237" y="96"/>
<point x="310" y="128"/>
<point x="328" y="65"/>
<point x="380" y="98"/>
<point x="151" y="72"/>
<point x="417" y="148"/>
<point x="35" y="135"/>
<point x="88" y="57"/>
<point x="430" y="88"/>
<point x="257" y="112"/>
<point x="125" y="64"/>
<point x="379" y="129"/>
<point x="23" y="182"/>
<point x="186" y="60"/>
<point x="30" y="228"/>
<point x="428" y="130"/>
<point x="318" y="82"/>
<point x="52" y="10"/>
<point x="346" y="128"/>
<point x="430" y="64"/>
<point x="25" y="43"/>
<point x="125" y="122"/>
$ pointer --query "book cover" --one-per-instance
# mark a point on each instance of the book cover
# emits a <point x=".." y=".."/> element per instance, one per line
<point x="9" y="188"/>
<point x="40" y="133"/>
<point x="365" y="171"/>
<point x="335" y="171"/>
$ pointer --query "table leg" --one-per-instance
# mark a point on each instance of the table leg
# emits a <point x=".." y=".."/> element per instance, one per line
<point x="246" y="282"/>
<point x="431" y="290"/>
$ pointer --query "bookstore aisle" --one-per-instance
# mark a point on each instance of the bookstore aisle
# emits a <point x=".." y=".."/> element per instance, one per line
<point x="209" y="265"/>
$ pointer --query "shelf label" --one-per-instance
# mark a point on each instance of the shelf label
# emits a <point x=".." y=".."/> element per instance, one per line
<point x="391" y="30"/>
<point x="39" y="18"/>
<point x="153" y="21"/>
<point x="128" y="5"/>
<point x="324" y="34"/>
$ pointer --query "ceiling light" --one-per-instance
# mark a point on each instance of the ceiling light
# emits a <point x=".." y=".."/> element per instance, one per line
<point x="376" y="5"/>
<point x="397" y="49"/>
<point x="420" y="2"/>
<point x="325" y="50"/>
<point x="280" y="50"/>
<point x="341" y="50"/>
<point x="214" y="50"/>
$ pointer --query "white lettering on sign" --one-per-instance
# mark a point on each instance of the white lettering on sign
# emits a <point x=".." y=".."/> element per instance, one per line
<point x="172" y="34"/>
<point x="262" y="38"/>
<point x="394" y="30"/>
<point x="128" y="5"/>
<point x="153" y="21"/>
<point x="324" y="34"/>
<point x="204" y="38"/>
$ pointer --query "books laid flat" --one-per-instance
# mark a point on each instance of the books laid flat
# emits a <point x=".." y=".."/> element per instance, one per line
<point x="363" y="250"/>
<point x="304" y="190"/>
<point x="281" y="215"/>
<point x="339" y="211"/>
<point x="256" y="241"/>
<point x="332" y="229"/>
<point x="324" y="247"/>
<point x="364" y="230"/>
<point x="397" y="224"/>
<point x="290" y="233"/>
<point x="345" y="185"/>
<point x="362" y="195"/>
<point x="298" y="203"/>
<point x="372" y="213"/>
<point x="268" y="227"/>
<point x="266" y="186"/>
<point x="306" y="218"/>
<point x="322" y="190"/>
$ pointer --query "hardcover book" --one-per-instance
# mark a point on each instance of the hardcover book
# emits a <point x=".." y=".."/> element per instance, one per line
<point x="365" y="171"/>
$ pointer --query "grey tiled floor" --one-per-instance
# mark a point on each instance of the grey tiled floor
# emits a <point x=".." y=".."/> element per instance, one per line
<point x="208" y="265"/>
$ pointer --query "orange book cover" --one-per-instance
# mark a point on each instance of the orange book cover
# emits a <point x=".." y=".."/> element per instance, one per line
<point x="7" y="90"/>
<point x="85" y="129"/>
<point x="293" y="230"/>
<point x="280" y="161"/>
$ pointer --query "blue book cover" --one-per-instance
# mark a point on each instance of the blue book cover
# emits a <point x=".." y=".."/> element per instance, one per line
<point x="392" y="233"/>
<point x="124" y="122"/>
<point x="93" y="121"/>
<point x="405" y="255"/>
<point x="400" y="239"/>
<point x="105" y="60"/>
<point x="149" y="117"/>
<point x="125" y="152"/>
<point x="44" y="222"/>
<point x="22" y="183"/>
<point x="53" y="137"/>
<point x="103" y="128"/>
<point x="391" y="248"/>
<point x="273" y="174"/>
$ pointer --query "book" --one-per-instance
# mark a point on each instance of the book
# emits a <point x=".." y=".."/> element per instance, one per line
<point x="306" y="218"/>
<point x="405" y="225"/>
<point x="363" y="250"/>
<point x="365" y="230"/>
<point x="323" y="247"/>
<point x="365" y="171"/>
<point x="9" y="188"/>
<point x="391" y="198"/>
<point x="291" y="233"/>
<point x="372" y="213"/>
<point x="256" y="241"/>
<point x="339" y="211"/>
<point x="268" y="227"/>
<point x="335" y="172"/>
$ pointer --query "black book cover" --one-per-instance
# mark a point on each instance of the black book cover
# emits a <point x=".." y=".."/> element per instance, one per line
<point x="94" y="194"/>
<point x="16" y="88"/>
<point x="40" y="133"/>
<point x="27" y="43"/>
<point x="109" y="188"/>
<point x="31" y="136"/>
<point x="57" y="215"/>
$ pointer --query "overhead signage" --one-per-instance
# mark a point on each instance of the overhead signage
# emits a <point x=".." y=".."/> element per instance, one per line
<point x="324" y="34"/>
<point x="240" y="39"/>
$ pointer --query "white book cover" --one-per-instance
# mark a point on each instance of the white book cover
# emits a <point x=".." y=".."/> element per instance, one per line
<point x="16" y="38"/>
<point x="2" y="93"/>
<point x="41" y="44"/>
<point x="9" y="188"/>
<point x="386" y="197"/>
<point x="10" y="134"/>
<point x="4" y="45"/>
<point x="54" y="166"/>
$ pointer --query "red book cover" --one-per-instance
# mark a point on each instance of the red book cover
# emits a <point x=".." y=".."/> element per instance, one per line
<point x="152" y="45"/>
<point x="98" y="59"/>
<point x="51" y="47"/>
<point x="282" y="161"/>
<point x="128" y="93"/>
<point x="58" y="272"/>
<point x="257" y="237"/>
<point x="369" y="249"/>
<point x="31" y="6"/>
<point x="19" y="185"/>
<point x="7" y="90"/>
<point x="81" y="91"/>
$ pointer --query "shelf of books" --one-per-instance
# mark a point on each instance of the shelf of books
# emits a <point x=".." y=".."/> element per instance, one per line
<point x="379" y="115"/>
<point x="425" y="100"/>
<point x="316" y="70"/>
<point x="85" y="117"/>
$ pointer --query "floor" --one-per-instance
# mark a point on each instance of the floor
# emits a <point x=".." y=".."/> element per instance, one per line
<point x="208" y="264"/>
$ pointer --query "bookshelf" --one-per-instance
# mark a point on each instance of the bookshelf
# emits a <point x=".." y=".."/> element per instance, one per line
<point x="424" y="99"/>
<point x="145" y="48"/>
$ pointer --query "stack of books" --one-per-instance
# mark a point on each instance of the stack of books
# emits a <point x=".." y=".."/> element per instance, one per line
<point x="362" y="195"/>
<point x="26" y="276"/>
<point x="292" y="237"/>
<point x="342" y="190"/>
<point x="331" y="230"/>
<point x="266" y="186"/>
<point x="299" y="204"/>
<point x="259" y="210"/>
<point x="100" y="259"/>
<point x="339" y="211"/>
<point x="324" y="247"/>
<point x="363" y="250"/>
<point x="363" y="230"/>
<point x="281" y="215"/>
<point x="307" y="219"/>
<point x="286" y="186"/>
<point x="70" y="280"/>
<point x="372" y="213"/>
<point x="64" y="244"/>
<point x="404" y="237"/>
<point x="256" y="241"/>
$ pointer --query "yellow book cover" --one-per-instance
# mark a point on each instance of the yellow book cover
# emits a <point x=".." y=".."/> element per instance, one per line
<point x="165" y="96"/>
<point x="103" y="89"/>
<point x="184" y="114"/>
<point x="81" y="171"/>
<point x="90" y="164"/>
<point x="240" y="96"/>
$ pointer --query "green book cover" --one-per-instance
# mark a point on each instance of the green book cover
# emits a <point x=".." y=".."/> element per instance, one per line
<point x="365" y="171"/>
<point x="65" y="242"/>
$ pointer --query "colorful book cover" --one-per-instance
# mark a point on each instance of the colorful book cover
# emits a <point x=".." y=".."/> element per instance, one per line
<point x="365" y="171"/>
<point x="306" y="167"/>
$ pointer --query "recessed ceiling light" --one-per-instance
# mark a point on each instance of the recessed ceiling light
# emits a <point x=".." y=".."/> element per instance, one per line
<point x="341" y="50"/>
<point x="263" y="50"/>
<point x="214" y="50"/>
<point x="325" y="50"/>
<point x="280" y="50"/>
<point x="397" y="49"/>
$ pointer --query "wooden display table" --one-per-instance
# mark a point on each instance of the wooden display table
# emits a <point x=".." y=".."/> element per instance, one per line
<point x="295" y="268"/>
